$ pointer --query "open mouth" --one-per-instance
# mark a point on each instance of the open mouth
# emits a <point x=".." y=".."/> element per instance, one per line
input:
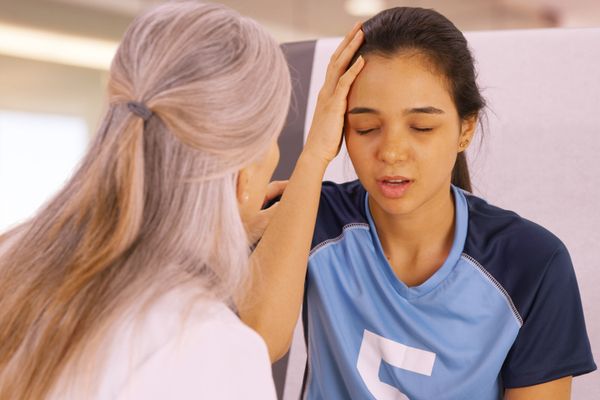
<point x="394" y="187"/>
<point x="395" y="182"/>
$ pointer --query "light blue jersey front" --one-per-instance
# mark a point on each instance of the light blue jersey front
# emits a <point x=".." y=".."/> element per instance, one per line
<point x="372" y="337"/>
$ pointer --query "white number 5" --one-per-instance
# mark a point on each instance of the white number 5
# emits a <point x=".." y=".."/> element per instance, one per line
<point x="375" y="348"/>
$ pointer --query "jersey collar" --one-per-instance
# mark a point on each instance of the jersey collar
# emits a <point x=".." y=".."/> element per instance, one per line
<point x="460" y="235"/>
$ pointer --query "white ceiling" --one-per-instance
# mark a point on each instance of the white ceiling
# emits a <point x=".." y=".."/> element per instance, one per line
<point x="302" y="19"/>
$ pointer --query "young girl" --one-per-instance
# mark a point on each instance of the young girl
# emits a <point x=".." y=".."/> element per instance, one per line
<point x="120" y="287"/>
<point x="415" y="288"/>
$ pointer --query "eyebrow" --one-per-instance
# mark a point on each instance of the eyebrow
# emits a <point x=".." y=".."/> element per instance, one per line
<point x="416" y="110"/>
<point x="423" y="110"/>
<point x="363" y="110"/>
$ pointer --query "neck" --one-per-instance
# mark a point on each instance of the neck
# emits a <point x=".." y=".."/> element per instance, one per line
<point x="426" y="232"/>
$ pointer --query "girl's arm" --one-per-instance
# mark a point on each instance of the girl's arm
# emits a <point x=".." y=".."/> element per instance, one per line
<point x="559" y="389"/>
<point x="271" y="305"/>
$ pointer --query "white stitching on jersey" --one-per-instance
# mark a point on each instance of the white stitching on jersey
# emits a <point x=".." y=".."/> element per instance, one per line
<point x="337" y="239"/>
<point x="498" y="286"/>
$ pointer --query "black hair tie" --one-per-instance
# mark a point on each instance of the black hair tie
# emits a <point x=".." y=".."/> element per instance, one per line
<point x="140" y="110"/>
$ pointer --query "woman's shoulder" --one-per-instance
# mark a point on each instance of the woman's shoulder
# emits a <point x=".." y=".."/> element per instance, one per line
<point x="198" y="323"/>
<point x="213" y="324"/>
<point x="185" y="348"/>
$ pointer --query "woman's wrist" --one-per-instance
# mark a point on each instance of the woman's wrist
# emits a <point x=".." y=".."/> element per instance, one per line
<point x="313" y="159"/>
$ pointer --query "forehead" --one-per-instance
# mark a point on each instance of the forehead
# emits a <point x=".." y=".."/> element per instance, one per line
<point x="402" y="81"/>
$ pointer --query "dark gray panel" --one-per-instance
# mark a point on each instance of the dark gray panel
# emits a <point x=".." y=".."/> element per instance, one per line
<point x="300" y="59"/>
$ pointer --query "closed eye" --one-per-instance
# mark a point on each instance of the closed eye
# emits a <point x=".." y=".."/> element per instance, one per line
<point x="421" y="129"/>
<point x="364" y="131"/>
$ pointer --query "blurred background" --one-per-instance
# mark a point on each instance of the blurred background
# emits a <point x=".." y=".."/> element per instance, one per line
<point x="54" y="57"/>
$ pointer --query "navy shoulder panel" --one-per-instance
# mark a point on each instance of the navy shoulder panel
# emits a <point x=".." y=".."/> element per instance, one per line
<point x="534" y="268"/>
<point x="340" y="205"/>
<point x="515" y="251"/>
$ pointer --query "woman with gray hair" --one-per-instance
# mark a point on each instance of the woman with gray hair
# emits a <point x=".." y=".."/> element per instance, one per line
<point x="121" y="286"/>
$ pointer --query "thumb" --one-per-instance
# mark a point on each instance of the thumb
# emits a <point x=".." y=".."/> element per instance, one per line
<point x="256" y="228"/>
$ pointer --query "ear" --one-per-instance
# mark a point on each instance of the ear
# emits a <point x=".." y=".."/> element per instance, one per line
<point x="243" y="180"/>
<point x="467" y="130"/>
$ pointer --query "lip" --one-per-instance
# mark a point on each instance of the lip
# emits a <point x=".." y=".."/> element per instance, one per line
<point x="394" y="190"/>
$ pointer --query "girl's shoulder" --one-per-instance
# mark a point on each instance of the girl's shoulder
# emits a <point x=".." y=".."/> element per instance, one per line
<point x="490" y="225"/>
<point x="532" y="268"/>
<point x="348" y="195"/>
<point x="341" y="205"/>
<point x="521" y="257"/>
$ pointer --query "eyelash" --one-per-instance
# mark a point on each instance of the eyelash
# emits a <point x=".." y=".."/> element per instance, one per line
<point x="422" y="129"/>
<point x="366" y="131"/>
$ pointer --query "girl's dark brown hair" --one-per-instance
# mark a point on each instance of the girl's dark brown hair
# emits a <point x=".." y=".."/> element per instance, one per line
<point x="428" y="32"/>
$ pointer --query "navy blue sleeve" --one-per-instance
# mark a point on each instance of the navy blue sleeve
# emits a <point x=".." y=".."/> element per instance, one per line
<point x="553" y="341"/>
<point x="339" y="205"/>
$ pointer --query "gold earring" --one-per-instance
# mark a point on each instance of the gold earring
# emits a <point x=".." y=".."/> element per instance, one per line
<point x="464" y="143"/>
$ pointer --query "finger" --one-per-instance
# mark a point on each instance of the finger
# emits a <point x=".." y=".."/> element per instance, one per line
<point x="347" y="39"/>
<point x="340" y="60"/>
<point x="267" y="213"/>
<point x="345" y="82"/>
<point x="337" y="68"/>
<point x="274" y="189"/>
<point x="263" y="217"/>
<point x="348" y="52"/>
<point x="257" y="227"/>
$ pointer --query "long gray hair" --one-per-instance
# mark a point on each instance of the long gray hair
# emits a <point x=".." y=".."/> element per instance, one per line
<point x="153" y="204"/>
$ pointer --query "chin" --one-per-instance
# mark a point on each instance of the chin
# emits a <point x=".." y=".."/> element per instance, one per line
<point x="393" y="206"/>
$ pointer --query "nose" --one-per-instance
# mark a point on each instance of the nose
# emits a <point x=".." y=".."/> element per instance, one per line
<point x="394" y="148"/>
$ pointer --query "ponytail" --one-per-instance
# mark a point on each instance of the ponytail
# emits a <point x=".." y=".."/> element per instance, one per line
<point x="101" y="212"/>
<point x="460" y="173"/>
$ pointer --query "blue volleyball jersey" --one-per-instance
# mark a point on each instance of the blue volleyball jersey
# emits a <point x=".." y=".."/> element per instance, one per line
<point x="503" y="310"/>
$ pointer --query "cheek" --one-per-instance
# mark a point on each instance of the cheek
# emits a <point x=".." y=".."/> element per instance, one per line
<point x="268" y="165"/>
<point x="356" y="152"/>
<point x="441" y="155"/>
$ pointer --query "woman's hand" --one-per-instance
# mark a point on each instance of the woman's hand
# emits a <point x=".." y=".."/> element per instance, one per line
<point x="325" y="135"/>
<point x="256" y="227"/>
